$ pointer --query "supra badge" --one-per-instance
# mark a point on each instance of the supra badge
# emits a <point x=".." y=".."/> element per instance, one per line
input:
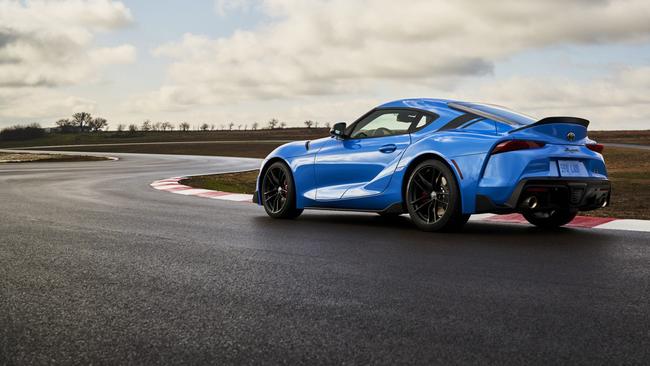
<point x="570" y="136"/>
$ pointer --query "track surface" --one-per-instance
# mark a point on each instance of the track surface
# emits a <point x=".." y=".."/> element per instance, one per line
<point x="97" y="267"/>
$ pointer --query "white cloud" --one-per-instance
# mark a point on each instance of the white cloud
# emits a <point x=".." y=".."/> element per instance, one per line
<point x="45" y="44"/>
<point x="34" y="103"/>
<point x="50" y="42"/>
<point x="124" y="54"/>
<point x="342" y="47"/>
<point x="618" y="100"/>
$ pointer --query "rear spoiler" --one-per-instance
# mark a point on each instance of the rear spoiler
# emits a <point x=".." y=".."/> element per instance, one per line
<point x="551" y="120"/>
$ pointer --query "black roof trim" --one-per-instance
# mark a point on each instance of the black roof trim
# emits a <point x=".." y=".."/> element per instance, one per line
<point x="458" y="121"/>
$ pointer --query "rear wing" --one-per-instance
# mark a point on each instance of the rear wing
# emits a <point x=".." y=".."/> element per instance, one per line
<point x="551" y="120"/>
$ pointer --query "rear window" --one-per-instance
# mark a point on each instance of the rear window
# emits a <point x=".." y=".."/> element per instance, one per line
<point x="497" y="113"/>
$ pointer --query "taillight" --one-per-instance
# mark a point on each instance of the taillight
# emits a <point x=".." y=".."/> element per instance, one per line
<point x="513" y="145"/>
<point x="596" y="147"/>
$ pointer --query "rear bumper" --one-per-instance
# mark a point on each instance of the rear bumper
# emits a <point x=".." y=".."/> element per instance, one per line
<point x="578" y="194"/>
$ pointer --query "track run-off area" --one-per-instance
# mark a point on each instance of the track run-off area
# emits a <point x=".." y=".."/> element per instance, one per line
<point x="98" y="267"/>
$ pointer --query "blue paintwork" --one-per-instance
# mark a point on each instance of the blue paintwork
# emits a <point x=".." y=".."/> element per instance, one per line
<point x="354" y="174"/>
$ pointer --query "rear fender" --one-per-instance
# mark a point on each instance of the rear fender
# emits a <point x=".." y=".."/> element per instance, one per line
<point x="463" y="152"/>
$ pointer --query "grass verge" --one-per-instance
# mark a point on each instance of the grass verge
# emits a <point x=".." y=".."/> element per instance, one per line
<point x="629" y="171"/>
<point x="234" y="182"/>
<point x="30" y="158"/>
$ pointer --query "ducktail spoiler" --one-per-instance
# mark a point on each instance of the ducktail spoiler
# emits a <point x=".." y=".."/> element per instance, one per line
<point x="551" y="120"/>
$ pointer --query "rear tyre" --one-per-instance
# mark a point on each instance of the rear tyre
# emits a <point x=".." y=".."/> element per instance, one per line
<point x="279" y="192"/>
<point x="433" y="197"/>
<point x="550" y="219"/>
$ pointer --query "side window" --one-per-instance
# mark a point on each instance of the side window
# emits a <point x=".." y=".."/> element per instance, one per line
<point x="383" y="123"/>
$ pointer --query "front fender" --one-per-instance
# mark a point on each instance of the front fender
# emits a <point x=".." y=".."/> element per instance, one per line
<point x="299" y="156"/>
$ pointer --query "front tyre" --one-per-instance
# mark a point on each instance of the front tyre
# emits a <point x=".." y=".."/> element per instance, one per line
<point x="433" y="197"/>
<point x="550" y="219"/>
<point x="279" y="192"/>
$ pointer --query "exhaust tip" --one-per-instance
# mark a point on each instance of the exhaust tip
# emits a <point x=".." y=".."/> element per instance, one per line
<point x="531" y="202"/>
<point x="603" y="202"/>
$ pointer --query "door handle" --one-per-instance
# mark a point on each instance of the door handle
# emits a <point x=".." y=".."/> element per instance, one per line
<point x="387" y="149"/>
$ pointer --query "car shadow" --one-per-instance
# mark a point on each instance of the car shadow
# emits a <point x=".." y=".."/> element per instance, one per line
<point x="373" y="223"/>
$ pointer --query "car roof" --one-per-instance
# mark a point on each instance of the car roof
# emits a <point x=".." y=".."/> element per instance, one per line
<point x="426" y="104"/>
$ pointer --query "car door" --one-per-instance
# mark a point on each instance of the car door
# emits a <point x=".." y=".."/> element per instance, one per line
<point x="362" y="163"/>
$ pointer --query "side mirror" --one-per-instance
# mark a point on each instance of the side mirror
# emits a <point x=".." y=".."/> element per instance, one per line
<point x="338" y="130"/>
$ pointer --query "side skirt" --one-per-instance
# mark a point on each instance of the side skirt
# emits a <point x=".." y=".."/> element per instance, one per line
<point x="394" y="208"/>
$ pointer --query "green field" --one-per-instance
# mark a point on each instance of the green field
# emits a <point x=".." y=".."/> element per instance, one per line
<point x="622" y="137"/>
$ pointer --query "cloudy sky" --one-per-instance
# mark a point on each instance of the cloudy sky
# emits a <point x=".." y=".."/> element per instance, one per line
<point x="243" y="61"/>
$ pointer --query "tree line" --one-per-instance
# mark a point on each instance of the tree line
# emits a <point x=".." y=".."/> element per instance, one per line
<point x="82" y="122"/>
<point x="85" y="122"/>
<point x="148" y="126"/>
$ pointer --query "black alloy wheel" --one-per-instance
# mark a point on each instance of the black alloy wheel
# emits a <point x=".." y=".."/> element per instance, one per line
<point x="278" y="192"/>
<point x="433" y="197"/>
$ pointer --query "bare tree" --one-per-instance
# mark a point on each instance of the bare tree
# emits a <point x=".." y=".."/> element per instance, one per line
<point x="146" y="126"/>
<point x="273" y="123"/>
<point x="327" y="125"/>
<point x="97" y="124"/>
<point x="166" y="126"/>
<point x="205" y="127"/>
<point x="222" y="126"/>
<point x="230" y="126"/>
<point x="283" y="125"/>
<point x="133" y="128"/>
<point x="316" y="124"/>
<point x="121" y="127"/>
<point x="184" y="126"/>
<point x="156" y="126"/>
<point x="80" y="119"/>
<point x="254" y="127"/>
<point x="309" y="123"/>
<point x="212" y="127"/>
<point x="65" y="125"/>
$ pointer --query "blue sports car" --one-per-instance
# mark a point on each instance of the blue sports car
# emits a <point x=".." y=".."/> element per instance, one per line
<point x="441" y="161"/>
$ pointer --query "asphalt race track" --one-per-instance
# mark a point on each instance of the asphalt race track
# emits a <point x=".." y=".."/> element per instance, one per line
<point x="98" y="267"/>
